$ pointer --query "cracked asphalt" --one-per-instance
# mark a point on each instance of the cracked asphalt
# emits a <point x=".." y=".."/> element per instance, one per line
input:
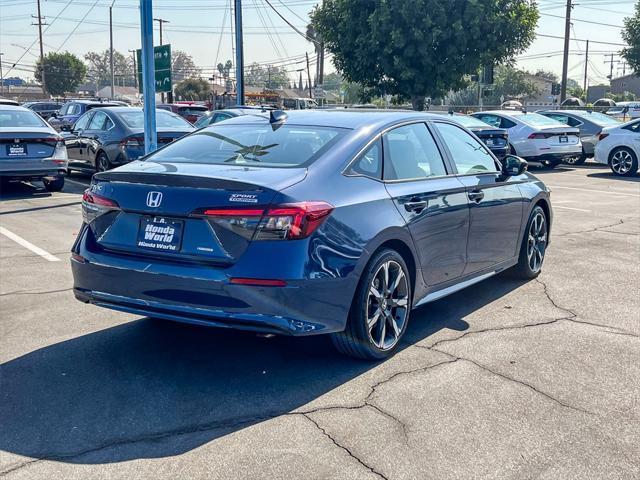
<point x="507" y="379"/>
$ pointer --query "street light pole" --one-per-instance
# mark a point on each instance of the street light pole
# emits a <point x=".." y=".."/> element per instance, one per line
<point x="565" y="58"/>
<point x="148" y="76"/>
<point x="111" y="49"/>
<point x="135" y="69"/>
<point x="1" y="76"/>
<point x="42" y="75"/>
<point x="239" y="54"/>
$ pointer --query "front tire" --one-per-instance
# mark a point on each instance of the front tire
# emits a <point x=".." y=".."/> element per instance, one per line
<point x="380" y="310"/>
<point x="54" y="185"/>
<point x="623" y="162"/>
<point x="534" y="246"/>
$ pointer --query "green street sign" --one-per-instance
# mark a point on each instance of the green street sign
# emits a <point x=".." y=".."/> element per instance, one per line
<point x="162" y="66"/>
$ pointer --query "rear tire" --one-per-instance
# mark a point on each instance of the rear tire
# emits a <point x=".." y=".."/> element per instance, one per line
<point x="103" y="163"/>
<point x="623" y="162"/>
<point x="54" y="185"/>
<point x="380" y="310"/>
<point x="534" y="246"/>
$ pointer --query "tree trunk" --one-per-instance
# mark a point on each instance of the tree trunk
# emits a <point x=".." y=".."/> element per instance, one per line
<point x="417" y="102"/>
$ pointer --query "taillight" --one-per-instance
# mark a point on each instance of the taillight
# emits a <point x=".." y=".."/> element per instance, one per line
<point x="292" y="221"/>
<point x="537" y="136"/>
<point x="602" y="136"/>
<point x="60" y="153"/>
<point x="94" y="205"/>
<point x="133" y="142"/>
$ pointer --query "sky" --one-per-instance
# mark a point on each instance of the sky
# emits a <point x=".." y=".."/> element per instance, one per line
<point x="203" y="29"/>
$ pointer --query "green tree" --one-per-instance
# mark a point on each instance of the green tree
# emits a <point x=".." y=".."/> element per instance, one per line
<point x="574" y="89"/>
<point x="183" y="66"/>
<point x="510" y="83"/>
<point x="100" y="68"/>
<point x="63" y="72"/>
<point x="546" y="74"/>
<point x="421" y="48"/>
<point x="631" y="35"/>
<point x="270" y="78"/>
<point x="193" y="89"/>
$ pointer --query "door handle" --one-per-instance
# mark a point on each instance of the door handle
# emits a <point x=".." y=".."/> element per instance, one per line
<point x="475" y="195"/>
<point x="415" y="205"/>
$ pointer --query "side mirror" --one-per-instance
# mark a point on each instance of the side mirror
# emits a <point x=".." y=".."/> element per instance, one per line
<point x="65" y="128"/>
<point x="513" y="166"/>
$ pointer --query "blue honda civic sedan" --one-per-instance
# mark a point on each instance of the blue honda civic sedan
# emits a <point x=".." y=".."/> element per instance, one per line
<point x="309" y="222"/>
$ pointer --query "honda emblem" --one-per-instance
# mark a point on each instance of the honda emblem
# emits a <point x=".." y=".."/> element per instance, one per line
<point x="154" y="199"/>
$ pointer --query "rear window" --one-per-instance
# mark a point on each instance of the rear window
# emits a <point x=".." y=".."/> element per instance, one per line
<point x="256" y="145"/>
<point x="537" y="120"/>
<point x="193" y="110"/>
<point x="20" y="118"/>
<point x="469" y="122"/>
<point x="598" y="118"/>
<point x="164" y="119"/>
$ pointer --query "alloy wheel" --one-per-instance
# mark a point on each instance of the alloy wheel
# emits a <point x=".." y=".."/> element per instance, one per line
<point x="537" y="242"/>
<point x="387" y="305"/>
<point x="103" y="163"/>
<point x="621" y="162"/>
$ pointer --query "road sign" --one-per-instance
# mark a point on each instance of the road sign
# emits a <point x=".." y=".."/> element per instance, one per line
<point x="319" y="92"/>
<point x="162" y="65"/>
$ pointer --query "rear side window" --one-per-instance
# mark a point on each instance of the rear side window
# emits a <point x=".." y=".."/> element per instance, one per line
<point x="97" y="122"/>
<point x="135" y="119"/>
<point x="410" y="152"/>
<point x="369" y="163"/>
<point x="469" y="155"/>
<point x="252" y="144"/>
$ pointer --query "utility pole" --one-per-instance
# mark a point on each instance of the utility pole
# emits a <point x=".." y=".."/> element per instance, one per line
<point x="135" y="69"/>
<point x="111" y="48"/>
<point x="239" y="54"/>
<point x="610" y="61"/>
<point x="160" y="22"/>
<point x="40" y="23"/>
<point x="586" y="67"/>
<point x="308" y="75"/>
<point x="565" y="58"/>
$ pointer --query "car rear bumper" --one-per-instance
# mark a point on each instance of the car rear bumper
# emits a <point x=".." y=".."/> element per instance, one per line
<point x="203" y="294"/>
<point x="33" y="174"/>
<point x="555" y="156"/>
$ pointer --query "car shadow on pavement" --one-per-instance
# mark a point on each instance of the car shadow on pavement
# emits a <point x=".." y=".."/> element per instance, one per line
<point x="26" y="190"/>
<point x="139" y="386"/>
<point x="610" y="175"/>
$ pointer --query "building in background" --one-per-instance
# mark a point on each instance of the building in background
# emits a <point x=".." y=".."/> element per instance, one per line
<point x="627" y="83"/>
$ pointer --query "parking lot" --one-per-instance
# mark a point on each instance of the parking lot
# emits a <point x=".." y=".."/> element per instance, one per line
<point x="502" y="380"/>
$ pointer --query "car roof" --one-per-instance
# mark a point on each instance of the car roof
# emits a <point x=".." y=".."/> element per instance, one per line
<point x="340" y="118"/>
<point x="508" y="113"/>
<point x="15" y="107"/>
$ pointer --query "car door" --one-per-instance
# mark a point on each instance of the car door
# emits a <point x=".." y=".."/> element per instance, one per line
<point x="495" y="203"/>
<point x="75" y="142"/>
<point x="93" y="137"/>
<point x="433" y="203"/>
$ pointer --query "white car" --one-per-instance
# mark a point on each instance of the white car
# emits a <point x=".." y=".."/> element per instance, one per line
<point x="625" y="111"/>
<point x="535" y="137"/>
<point x="619" y="147"/>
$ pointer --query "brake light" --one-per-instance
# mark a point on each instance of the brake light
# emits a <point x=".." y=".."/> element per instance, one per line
<point x="94" y="205"/>
<point x="292" y="221"/>
<point x="537" y="136"/>
<point x="602" y="136"/>
<point x="133" y="142"/>
<point x="258" y="282"/>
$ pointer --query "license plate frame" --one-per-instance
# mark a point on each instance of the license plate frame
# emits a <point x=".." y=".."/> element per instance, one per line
<point x="160" y="234"/>
<point x="17" y="150"/>
<point x="563" y="139"/>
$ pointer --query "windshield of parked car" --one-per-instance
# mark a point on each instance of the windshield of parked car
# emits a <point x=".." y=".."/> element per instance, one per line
<point x="598" y="118"/>
<point x="164" y="119"/>
<point x="193" y="110"/>
<point x="20" y="118"/>
<point x="469" y="122"/>
<point x="255" y="144"/>
<point x="537" y="120"/>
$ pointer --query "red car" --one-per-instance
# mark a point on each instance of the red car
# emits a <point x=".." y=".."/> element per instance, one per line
<point x="190" y="111"/>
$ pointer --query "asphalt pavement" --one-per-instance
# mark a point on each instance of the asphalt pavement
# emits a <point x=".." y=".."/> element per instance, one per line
<point x="506" y="379"/>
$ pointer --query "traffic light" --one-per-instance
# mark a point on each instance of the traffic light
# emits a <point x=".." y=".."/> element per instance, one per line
<point x="487" y="74"/>
<point x="555" y="89"/>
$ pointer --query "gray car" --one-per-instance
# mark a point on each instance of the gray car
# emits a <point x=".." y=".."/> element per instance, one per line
<point x="590" y="125"/>
<point x="106" y="137"/>
<point x="30" y="149"/>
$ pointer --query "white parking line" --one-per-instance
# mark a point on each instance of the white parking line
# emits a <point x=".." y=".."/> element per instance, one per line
<point x="570" y="208"/>
<point x="595" y="191"/>
<point x="28" y="245"/>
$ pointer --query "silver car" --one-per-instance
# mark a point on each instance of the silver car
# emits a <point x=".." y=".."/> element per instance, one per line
<point x="30" y="149"/>
<point x="590" y="125"/>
